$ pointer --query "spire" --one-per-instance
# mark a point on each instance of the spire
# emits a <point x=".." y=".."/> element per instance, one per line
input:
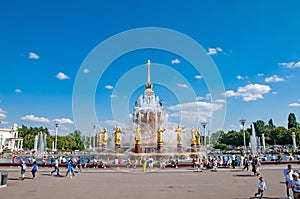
<point x="149" y="85"/>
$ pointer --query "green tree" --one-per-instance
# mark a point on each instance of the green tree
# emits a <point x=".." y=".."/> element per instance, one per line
<point x="76" y="136"/>
<point x="270" y="123"/>
<point x="292" y="121"/>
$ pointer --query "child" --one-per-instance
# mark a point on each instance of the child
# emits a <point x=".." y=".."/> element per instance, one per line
<point x="261" y="187"/>
<point x="34" y="169"/>
<point x="23" y="167"/>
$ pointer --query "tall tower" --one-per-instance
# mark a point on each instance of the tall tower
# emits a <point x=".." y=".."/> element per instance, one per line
<point x="149" y="113"/>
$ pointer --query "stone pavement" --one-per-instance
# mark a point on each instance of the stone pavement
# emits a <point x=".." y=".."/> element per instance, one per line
<point x="126" y="183"/>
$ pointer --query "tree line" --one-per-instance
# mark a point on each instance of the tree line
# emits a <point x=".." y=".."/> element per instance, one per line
<point x="274" y="135"/>
<point x="67" y="143"/>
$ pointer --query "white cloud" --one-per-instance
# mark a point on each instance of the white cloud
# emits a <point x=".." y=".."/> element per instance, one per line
<point x="86" y="70"/>
<point x="175" y="61"/>
<point x="33" y="56"/>
<point x="183" y="85"/>
<point x="198" y="77"/>
<point x="220" y="101"/>
<point x="240" y="77"/>
<point x="199" y="98"/>
<point x="2" y="114"/>
<point x="62" y="76"/>
<point x="214" y="51"/>
<point x="18" y="90"/>
<point x="249" y="92"/>
<point x="274" y="92"/>
<point x="64" y="121"/>
<point x="113" y="96"/>
<point x="33" y="118"/>
<point x="109" y="87"/>
<point x="3" y="122"/>
<point x="290" y="64"/>
<point x="294" y="104"/>
<point x="260" y="74"/>
<point x="194" y="111"/>
<point x="274" y="78"/>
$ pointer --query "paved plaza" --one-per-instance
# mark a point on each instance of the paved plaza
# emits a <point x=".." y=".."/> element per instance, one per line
<point x="169" y="183"/>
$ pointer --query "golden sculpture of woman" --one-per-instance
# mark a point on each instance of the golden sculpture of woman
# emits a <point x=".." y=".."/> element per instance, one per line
<point x="104" y="137"/>
<point x="198" y="139"/>
<point x="193" y="138"/>
<point x="159" y="135"/>
<point x="179" y="132"/>
<point x="117" y="134"/>
<point x="137" y="135"/>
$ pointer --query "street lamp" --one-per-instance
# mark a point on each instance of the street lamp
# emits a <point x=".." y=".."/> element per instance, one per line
<point x="56" y="132"/>
<point x="243" y="121"/>
<point x="204" y="125"/>
<point x="94" y="136"/>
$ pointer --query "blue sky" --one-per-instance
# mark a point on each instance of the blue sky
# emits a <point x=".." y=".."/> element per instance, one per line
<point x="254" y="45"/>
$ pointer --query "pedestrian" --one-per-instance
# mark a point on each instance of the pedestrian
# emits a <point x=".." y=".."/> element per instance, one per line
<point x="261" y="187"/>
<point x="34" y="169"/>
<point x="150" y="163"/>
<point x="79" y="164"/>
<point x="70" y="168"/>
<point x="288" y="172"/>
<point x="246" y="163"/>
<point x="23" y="168"/>
<point x="144" y="162"/>
<point x="295" y="185"/>
<point x="56" y="166"/>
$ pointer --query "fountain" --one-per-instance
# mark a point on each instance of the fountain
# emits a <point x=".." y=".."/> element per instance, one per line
<point x="149" y="134"/>
<point x="40" y="143"/>
<point x="253" y="141"/>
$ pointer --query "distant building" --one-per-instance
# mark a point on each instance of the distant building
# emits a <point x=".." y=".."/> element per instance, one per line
<point x="9" y="139"/>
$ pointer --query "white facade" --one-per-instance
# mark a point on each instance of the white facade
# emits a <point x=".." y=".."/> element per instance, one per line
<point x="9" y="139"/>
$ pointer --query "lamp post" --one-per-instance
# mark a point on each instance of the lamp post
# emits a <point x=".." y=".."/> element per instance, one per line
<point x="243" y="121"/>
<point x="204" y="125"/>
<point x="94" y="136"/>
<point x="56" y="132"/>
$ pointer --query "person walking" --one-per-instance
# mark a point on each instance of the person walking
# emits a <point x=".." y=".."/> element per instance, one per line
<point x="34" y="169"/>
<point x="261" y="187"/>
<point x="56" y="166"/>
<point x="295" y="185"/>
<point x="288" y="177"/>
<point x="70" y="168"/>
<point x="144" y="162"/>
<point x="23" y="168"/>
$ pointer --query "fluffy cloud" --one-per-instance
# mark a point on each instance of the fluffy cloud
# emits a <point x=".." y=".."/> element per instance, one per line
<point x="290" y="64"/>
<point x="214" y="51"/>
<point x="2" y="114"/>
<point x="260" y="74"/>
<point x="18" y="90"/>
<point x="86" y="70"/>
<point x="194" y="111"/>
<point x="62" y="76"/>
<point x="110" y="87"/>
<point x="33" y="56"/>
<point x="274" y="78"/>
<point x="113" y="96"/>
<point x="183" y="85"/>
<point x="198" y="77"/>
<point x="249" y="92"/>
<point x="175" y="61"/>
<point x="64" y="121"/>
<point x="294" y="104"/>
<point x="33" y="118"/>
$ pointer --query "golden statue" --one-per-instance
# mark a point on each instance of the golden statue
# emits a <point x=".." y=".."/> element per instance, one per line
<point x="159" y="135"/>
<point x="193" y="138"/>
<point x="103" y="137"/>
<point x="179" y="132"/>
<point x="198" y="138"/>
<point x="117" y="134"/>
<point x="137" y="135"/>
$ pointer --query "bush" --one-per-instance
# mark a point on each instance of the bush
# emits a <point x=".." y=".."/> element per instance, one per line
<point x="221" y="146"/>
